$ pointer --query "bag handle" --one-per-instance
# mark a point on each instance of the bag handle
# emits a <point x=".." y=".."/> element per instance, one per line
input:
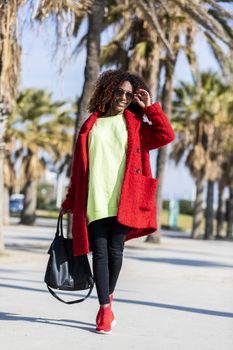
<point x="59" y="232"/>
<point x="59" y="226"/>
<point x="70" y="302"/>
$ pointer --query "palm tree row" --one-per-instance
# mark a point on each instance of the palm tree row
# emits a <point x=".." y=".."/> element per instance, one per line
<point x="148" y="38"/>
<point x="10" y="63"/>
<point x="37" y="128"/>
<point x="148" y="41"/>
<point x="203" y="121"/>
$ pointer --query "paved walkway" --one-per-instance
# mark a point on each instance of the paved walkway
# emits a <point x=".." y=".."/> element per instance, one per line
<point x="174" y="296"/>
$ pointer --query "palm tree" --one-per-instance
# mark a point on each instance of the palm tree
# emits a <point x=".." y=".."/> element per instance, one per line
<point x="217" y="143"/>
<point x="198" y="120"/>
<point x="154" y="30"/>
<point x="197" y="18"/>
<point x="92" y="67"/>
<point x="142" y="54"/>
<point x="184" y="17"/>
<point x="219" y="138"/>
<point x="44" y="127"/>
<point x="209" y="18"/>
<point x="192" y="16"/>
<point x="95" y="11"/>
<point x="9" y="78"/>
<point x="10" y="56"/>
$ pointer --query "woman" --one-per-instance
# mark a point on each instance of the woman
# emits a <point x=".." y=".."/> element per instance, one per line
<point x="112" y="192"/>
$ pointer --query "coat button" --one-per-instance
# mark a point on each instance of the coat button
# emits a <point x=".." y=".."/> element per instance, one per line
<point x="137" y="170"/>
<point x="138" y="150"/>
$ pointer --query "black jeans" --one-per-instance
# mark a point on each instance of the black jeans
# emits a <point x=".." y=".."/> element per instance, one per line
<point x="107" y="237"/>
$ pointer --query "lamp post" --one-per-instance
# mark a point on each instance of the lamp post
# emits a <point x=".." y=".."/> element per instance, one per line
<point x="3" y="117"/>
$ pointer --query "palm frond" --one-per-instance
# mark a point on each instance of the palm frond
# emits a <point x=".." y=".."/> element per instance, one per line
<point x="80" y="46"/>
<point x="150" y="15"/>
<point x="47" y="7"/>
<point x="219" y="9"/>
<point x="112" y="53"/>
<point x="224" y="60"/>
<point x="206" y="20"/>
<point x="191" y="55"/>
<point x="222" y="22"/>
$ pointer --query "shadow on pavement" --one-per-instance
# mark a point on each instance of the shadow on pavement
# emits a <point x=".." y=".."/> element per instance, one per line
<point x="5" y="316"/>
<point x="27" y="247"/>
<point x="185" y="251"/>
<point x="33" y="238"/>
<point x="136" y="302"/>
<point x="176" y="261"/>
<point x="9" y="270"/>
<point x="187" y="235"/>
<point x="179" y="308"/>
<point x="19" y="279"/>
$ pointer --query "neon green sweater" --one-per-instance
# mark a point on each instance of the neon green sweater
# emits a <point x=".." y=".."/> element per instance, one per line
<point x="107" y="145"/>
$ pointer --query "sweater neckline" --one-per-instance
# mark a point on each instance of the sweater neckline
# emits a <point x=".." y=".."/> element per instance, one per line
<point x="111" y="116"/>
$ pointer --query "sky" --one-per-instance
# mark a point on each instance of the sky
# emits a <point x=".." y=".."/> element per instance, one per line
<point x="41" y="70"/>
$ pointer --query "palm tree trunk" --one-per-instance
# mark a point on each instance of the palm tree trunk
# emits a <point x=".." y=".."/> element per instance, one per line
<point x="230" y="215"/>
<point x="209" y="214"/>
<point x="220" y="211"/>
<point x="160" y="168"/>
<point x="6" y="206"/>
<point x="9" y="77"/>
<point x="152" y="81"/>
<point x="92" y="67"/>
<point x="166" y="100"/>
<point x="28" y="215"/>
<point x="2" y="151"/>
<point x="162" y="152"/>
<point x="92" y="70"/>
<point x="3" y="117"/>
<point x="198" y="207"/>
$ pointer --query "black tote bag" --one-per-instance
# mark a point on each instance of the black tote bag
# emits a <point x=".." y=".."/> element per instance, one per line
<point x="65" y="271"/>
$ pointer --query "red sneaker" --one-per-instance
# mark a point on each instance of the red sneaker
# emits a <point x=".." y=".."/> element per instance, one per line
<point x="106" y="320"/>
<point x="98" y="315"/>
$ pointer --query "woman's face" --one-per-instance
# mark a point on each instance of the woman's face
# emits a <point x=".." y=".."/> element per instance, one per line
<point x="122" y="97"/>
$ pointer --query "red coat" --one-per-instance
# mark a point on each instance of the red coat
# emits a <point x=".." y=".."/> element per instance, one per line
<point x="137" y="205"/>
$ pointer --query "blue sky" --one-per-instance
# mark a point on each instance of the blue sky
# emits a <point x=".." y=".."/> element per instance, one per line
<point x="40" y="70"/>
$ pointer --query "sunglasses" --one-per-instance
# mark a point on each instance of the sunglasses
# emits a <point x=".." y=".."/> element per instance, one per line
<point x="120" y="92"/>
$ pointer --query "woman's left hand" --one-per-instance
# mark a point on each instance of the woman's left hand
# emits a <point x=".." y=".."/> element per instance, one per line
<point x="142" y="97"/>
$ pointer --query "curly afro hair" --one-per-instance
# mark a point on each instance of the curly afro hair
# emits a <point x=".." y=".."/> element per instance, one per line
<point x="105" y="85"/>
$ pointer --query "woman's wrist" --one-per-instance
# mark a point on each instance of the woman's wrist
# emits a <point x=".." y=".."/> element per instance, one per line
<point x="149" y="104"/>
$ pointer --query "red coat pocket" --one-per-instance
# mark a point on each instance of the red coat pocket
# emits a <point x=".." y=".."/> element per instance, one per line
<point x="138" y="201"/>
<point x="146" y="193"/>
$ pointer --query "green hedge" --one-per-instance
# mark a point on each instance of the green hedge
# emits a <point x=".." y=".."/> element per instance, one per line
<point x="186" y="206"/>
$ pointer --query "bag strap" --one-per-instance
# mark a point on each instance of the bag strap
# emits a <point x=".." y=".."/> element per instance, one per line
<point x="70" y="302"/>
<point x="59" y="232"/>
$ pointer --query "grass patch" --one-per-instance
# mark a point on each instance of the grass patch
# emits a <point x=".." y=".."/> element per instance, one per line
<point x="184" y="222"/>
<point x="51" y="214"/>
